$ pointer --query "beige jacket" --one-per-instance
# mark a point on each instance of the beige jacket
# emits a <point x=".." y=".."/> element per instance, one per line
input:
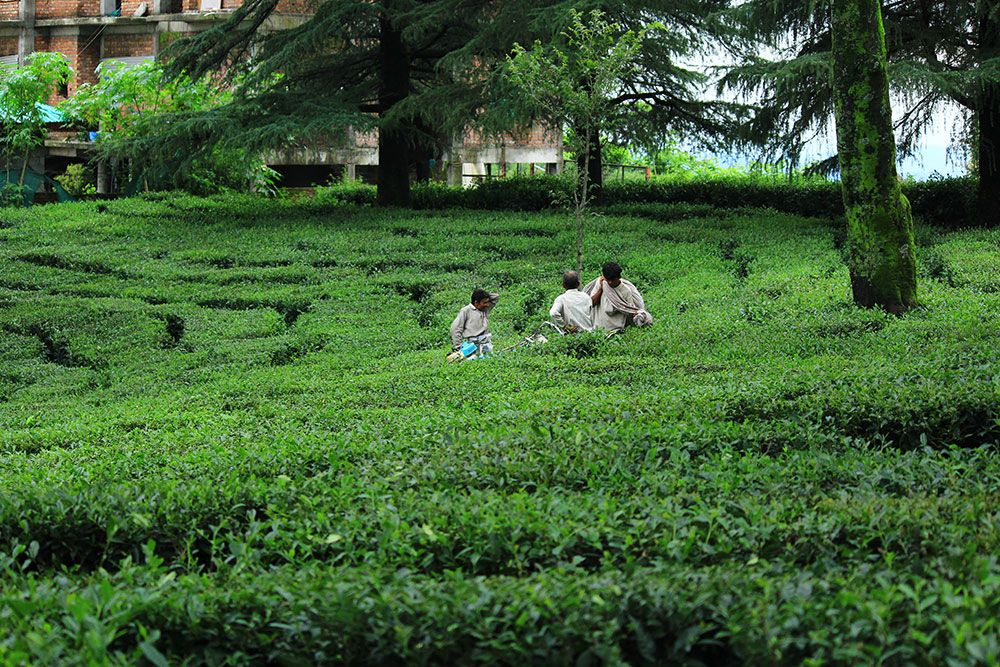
<point x="617" y="302"/>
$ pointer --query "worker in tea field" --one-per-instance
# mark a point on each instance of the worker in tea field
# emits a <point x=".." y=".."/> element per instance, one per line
<point x="572" y="310"/>
<point x="616" y="302"/>
<point x="472" y="323"/>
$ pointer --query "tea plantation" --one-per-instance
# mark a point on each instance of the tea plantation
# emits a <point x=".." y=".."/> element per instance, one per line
<point x="228" y="435"/>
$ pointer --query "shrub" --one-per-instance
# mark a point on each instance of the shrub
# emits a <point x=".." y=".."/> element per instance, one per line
<point x="349" y="192"/>
<point x="950" y="203"/>
<point x="229" y="434"/>
<point x="78" y="179"/>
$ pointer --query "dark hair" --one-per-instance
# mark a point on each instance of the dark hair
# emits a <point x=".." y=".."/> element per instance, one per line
<point x="479" y="295"/>
<point x="612" y="271"/>
<point x="571" y="280"/>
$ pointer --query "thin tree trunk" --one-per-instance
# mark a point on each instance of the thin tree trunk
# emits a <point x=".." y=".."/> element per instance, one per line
<point x="988" y="115"/>
<point x="393" y="150"/>
<point x="881" y="254"/>
<point x="24" y="168"/>
<point x="591" y="163"/>
<point x="581" y="204"/>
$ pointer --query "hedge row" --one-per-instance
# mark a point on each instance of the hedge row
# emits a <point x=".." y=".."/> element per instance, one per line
<point x="948" y="203"/>
<point x="753" y="612"/>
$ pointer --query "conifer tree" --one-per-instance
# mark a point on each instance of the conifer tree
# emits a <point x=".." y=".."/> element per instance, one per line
<point x="662" y="94"/>
<point x="880" y="249"/>
<point x="940" y="53"/>
<point x="417" y="72"/>
<point x="403" y="68"/>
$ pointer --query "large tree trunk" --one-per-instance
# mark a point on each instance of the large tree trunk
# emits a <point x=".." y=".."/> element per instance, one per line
<point x="393" y="148"/>
<point x="988" y="115"/>
<point x="881" y="253"/>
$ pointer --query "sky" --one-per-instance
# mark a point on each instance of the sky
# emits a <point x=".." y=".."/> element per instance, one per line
<point x="932" y="155"/>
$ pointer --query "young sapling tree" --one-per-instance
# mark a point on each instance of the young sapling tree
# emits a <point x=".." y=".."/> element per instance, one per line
<point x="23" y="92"/>
<point x="572" y="85"/>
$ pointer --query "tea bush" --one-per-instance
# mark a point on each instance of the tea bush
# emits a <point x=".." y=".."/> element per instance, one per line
<point x="948" y="203"/>
<point x="228" y="435"/>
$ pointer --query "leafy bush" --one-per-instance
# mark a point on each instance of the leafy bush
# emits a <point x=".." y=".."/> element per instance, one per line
<point x="78" y="179"/>
<point x="11" y="194"/>
<point x="948" y="203"/>
<point x="346" y="192"/>
<point x="227" y="427"/>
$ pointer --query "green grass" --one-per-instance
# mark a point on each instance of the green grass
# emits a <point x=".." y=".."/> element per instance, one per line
<point x="228" y="434"/>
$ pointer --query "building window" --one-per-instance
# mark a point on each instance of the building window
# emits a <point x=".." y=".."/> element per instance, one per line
<point x="111" y="7"/>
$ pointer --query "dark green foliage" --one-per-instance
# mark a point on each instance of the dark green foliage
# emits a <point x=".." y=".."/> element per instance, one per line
<point x="228" y="434"/>
<point x="578" y="346"/>
<point x="947" y="203"/>
<point x="520" y="193"/>
<point x="793" y="83"/>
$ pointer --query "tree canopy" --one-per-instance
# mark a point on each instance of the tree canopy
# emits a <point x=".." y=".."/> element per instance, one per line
<point x="418" y="71"/>
<point x="940" y="53"/>
<point x="23" y="92"/>
<point x="661" y="96"/>
<point x="411" y="69"/>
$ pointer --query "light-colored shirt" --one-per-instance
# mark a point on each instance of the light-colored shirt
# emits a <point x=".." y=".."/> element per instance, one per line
<point x="606" y="316"/>
<point x="472" y="322"/>
<point x="572" y="309"/>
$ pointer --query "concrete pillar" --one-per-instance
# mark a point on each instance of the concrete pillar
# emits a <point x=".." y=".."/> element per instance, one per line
<point x="26" y="36"/>
<point x="455" y="169"/>
<point x="103" y="178"/>
<point x="350" y="171"/>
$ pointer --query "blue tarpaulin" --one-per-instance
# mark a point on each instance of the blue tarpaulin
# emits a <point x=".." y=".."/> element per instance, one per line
<point x="48" y="113"/>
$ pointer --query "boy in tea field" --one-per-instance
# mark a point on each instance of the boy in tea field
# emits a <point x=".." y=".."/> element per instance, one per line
<point x="572" y="310"/>
<point x="617" y="303"/>
<point x="472" y="323"/>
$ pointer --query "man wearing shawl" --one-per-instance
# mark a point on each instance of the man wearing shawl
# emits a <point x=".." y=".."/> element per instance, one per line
<point x="617" y="303"/>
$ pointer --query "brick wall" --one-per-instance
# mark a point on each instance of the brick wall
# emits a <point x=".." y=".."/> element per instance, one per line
<point x="366" y="139"/>
<point x="292" y="6"/>
<point x="8" y="11"/>
<point x="537" y="137"/>
<point x="60" y="9"/>
<point x="82" y="52"/>
<point x="87" y="60"/>
<point x="8" y="46"/>
<point x="117" y="46"/>
<point x="129" y="7"/>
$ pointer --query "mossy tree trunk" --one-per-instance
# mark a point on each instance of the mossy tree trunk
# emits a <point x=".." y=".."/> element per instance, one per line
<point x="881" y="256"/>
